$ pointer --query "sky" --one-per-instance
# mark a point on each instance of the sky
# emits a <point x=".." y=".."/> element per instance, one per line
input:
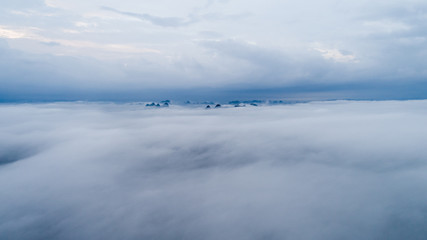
<point x="318" y="170"/>
<point x="221" y="49"/>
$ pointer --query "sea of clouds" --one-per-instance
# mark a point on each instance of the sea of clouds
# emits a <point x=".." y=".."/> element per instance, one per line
<point x="319" y="170"/>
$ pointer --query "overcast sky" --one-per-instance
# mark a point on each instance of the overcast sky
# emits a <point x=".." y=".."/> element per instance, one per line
<point x="369" y="49"/>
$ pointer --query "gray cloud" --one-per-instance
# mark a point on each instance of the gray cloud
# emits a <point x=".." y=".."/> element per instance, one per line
<point x="355" y="45"/>
<point x="51" y="44"/>
<point x="37" y="77"/>
<point x="26" y="73"/>
<point x="276" y="67"/>
<point x="179" y="22"/>
<point x="160" y="21"/>
<point x="323" y="170"/>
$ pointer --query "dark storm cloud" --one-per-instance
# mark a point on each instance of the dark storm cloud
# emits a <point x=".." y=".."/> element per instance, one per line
<point x="325" y="170"/>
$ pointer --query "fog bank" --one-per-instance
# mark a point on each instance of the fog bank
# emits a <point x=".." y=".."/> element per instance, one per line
<point x="319" y="170"/>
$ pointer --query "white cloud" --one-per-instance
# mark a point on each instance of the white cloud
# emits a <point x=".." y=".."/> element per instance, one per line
<point x="60" y="4"/>
<point x="336" y="55"/>
<point x="322" y="170"/>
<point x="387" y="26"/>
<point x="12" y="34"/>
<point x="51" y="3"/>
<point x="85" y="24"/>
<point x="32" y="34"/>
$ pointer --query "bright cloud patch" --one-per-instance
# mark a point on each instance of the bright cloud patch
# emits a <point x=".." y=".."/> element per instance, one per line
<point x="336" y="55"/>
<point x="12" y="34"/>
<point x="326" y="170"/>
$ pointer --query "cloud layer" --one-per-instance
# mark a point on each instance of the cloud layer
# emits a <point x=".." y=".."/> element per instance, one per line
<point x="213" y="44"/>
<point x="321" y="170"/>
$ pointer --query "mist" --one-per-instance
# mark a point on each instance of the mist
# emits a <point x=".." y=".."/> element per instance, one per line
<point x="318" y="170"/>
